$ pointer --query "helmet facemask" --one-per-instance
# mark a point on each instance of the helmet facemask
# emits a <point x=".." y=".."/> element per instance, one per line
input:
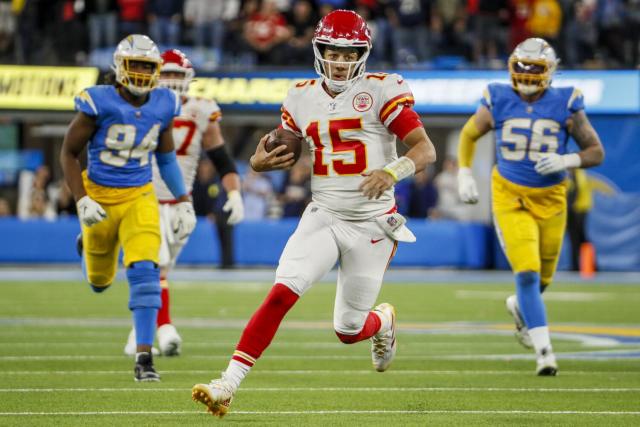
<point x="180" y="85"/>
<point x="531" y="66"/>
<point x="135" y="82"/>
<point x="528" y="76"/>
<point x="354" y="69"/>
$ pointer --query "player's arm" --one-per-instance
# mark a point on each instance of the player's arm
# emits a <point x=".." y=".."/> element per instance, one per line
<point x="213" y="145"/>
<point x="184" y="220"/>
<point x="407" y="126"/>
<point x="168" y="165"/>
<point x="580" y="128"/>
<point x="80" y="131"/>
<point x="478" y="125"/>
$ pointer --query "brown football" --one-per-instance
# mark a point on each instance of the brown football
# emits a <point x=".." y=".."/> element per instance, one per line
<point x="281" y="136"/>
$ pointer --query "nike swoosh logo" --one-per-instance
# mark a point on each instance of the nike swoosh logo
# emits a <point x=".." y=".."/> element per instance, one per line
<point x="373" y="242"/>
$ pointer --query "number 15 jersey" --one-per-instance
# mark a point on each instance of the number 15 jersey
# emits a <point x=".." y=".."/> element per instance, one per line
<point x="348" y="136"/>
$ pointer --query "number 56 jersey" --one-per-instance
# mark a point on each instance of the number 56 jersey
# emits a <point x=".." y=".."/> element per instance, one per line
<point x="120" y="149"/>
<point x="525" y="131"/>
<point x="348" y="135"/>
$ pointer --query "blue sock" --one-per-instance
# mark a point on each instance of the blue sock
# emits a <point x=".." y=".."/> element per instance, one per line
<point x="144" y="320"/>
<point x="144" y="299"/>
<point x="530" y="299"/>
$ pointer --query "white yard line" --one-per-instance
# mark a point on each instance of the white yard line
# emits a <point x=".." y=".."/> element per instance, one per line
<point x="333" y="389"/>
<point x="303" y="372"/>
<point x="337" y="412"/>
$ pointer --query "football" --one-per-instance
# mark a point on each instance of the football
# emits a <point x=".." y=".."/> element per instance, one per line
<point x="281" y="136"/>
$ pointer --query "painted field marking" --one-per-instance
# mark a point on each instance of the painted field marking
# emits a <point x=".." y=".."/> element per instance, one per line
<point x="325" y="372"/>
<point x="334" y="389"/>
<point x="337" y="412"/>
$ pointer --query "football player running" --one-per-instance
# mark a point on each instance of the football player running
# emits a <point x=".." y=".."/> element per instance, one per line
<point x="350" y="120"/>
<point x="123" y="124"/>
<point x="532" y="123"/>
<point x="196" y="129"/>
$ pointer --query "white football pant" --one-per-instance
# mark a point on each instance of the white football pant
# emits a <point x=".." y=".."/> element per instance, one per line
<point x="363" y="251"/>
<point x="170" y="245"/>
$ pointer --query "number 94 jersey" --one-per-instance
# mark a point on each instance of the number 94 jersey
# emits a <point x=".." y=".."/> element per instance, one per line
<point x="525" y="130"/>
<point x="119" y="151"/>
<point x="348" y="135"/>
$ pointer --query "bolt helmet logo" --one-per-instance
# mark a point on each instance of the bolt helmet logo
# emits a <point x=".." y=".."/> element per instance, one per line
<point x="362" y="102"/>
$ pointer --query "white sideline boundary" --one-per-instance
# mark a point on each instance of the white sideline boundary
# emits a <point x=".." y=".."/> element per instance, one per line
<point x="331" y="389"/>
<point x="302" y="372"/>
<point x="337" y="412"/>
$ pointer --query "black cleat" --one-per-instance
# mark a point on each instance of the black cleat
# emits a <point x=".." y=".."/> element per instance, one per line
<point x="79" y="245"/>
<point x="144" y="370"/>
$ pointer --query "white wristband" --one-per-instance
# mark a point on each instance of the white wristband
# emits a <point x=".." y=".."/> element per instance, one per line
<point x="400" y="168"/>
<point x="572" y="160"/>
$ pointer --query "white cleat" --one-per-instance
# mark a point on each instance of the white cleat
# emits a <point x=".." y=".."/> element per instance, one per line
<point x="217" y="396"/>
<point x="169" y="341"/>
<point x="130" y="346"/>
<point x="383" y="345"/>
<point x="546" y="365"/>
<point x="522" y="333"/>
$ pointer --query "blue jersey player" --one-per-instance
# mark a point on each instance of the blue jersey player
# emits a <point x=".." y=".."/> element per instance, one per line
<point x="532" y="123"/>
<point x="123" y="125"/>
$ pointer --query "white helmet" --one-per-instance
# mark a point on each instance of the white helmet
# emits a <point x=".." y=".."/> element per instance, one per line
<point x="531" y="66"/>
<point x="341" y="28"/>
<point x="136" y="47"/>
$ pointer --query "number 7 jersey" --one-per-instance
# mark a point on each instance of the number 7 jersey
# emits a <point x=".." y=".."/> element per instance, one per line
<point x="525" y="130"/>
<point x="348" y="136"/>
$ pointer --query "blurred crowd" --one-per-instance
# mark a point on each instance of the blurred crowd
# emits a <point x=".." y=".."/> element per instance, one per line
<point x="246" y="33"/>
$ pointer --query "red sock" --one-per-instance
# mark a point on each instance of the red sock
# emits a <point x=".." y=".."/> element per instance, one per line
<point x="163" y="313"/>
<point x="262" y="327"/>
<point x="370" y="328"/>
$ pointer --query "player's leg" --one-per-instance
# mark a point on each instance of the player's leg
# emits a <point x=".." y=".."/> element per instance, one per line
<point x="140" y="237"/>
<point x="365" y="255"/>
<point x="169" y="341"/>
<point x="552" y="232"/>
<point x="100" y="250"/>
<point x="309" y="254"/>
<point x="520" y="237"/>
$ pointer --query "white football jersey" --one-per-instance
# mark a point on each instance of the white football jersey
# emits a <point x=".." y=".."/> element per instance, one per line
<point x="188" y="129"/>
<point x="348" y="135"/>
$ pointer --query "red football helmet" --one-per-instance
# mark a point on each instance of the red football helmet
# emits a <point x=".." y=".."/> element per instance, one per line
<point x="341" y="28"/>
<point x="175" y="61"/>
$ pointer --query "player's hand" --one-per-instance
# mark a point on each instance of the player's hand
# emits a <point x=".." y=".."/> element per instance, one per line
<point x="89" y="211"/>
<point x="552" y="163"/>
<point x="234" y="206"/>
<point x="184" y="220"/>
<point x="262" y="160"/>
<point x="467" y="188"/>
<point x="376" y="183"/>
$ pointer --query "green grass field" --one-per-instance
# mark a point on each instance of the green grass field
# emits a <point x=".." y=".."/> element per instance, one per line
<point x="61" y="360"/>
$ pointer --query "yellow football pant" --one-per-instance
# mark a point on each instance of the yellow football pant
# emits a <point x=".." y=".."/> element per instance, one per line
<point x="530" y="223"/>
<point x="135" y="225"/>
